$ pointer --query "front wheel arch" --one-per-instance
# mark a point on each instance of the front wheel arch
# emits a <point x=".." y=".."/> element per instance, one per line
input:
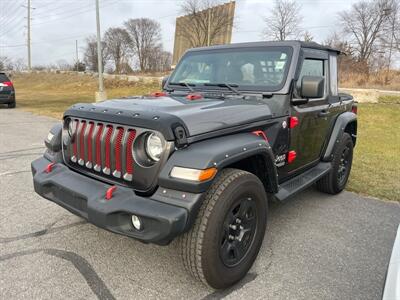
<point x="260" y="166"/>
<point x="221" y="152"/>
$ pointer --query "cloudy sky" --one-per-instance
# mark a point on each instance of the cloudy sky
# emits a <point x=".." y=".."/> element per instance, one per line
<point x="56" y="24"/>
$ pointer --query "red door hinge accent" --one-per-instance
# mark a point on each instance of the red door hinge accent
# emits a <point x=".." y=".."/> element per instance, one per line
<point x="261" y="133"/>
<point x="110" y="191"/>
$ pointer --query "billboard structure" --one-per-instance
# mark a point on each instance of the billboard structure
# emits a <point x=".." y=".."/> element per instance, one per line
<point x="212" y="26"/>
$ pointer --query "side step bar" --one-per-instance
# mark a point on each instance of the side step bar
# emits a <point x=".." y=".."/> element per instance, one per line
<point x="302" y="181"/>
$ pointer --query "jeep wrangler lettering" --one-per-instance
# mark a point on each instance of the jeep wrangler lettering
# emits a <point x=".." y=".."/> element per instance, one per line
<point x="234" y="127"/>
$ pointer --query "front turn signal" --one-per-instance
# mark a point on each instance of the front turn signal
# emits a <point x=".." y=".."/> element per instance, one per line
<point x="193" y="174"/>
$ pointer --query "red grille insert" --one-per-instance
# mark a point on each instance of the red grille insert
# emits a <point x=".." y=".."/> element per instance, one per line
<point x="82" y="141"/>
<point x="103" y="147"/>
<point x="129" y="158"/>
<point x="98" y="144"/>
<point x="108" y="146"/>
<point x="89" y="141"/>
<point x="118" y="144"/>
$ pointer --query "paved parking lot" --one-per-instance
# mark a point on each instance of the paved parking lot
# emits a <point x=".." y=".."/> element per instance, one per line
<point x="316" y="246"/>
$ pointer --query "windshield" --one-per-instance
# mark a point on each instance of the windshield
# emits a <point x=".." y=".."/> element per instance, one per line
<point x="247" y="68"/>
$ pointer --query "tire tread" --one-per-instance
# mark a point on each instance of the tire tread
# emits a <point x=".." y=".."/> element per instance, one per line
<point x="327" y="183"/>
<point x="191" y="243"/>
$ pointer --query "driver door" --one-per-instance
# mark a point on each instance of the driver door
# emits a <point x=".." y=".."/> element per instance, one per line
<point x="308" y="137"/>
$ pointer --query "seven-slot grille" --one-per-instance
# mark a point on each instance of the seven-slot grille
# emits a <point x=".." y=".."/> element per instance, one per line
<point x="102" y="147"/>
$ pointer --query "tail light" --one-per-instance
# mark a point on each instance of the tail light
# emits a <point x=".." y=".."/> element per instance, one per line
<point x="8" y="83"/>
<point x="291" y="156"/>
<point x="354" y="108"/>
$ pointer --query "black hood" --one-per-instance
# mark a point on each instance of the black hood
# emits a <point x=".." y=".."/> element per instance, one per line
<point x="165" y="113"/>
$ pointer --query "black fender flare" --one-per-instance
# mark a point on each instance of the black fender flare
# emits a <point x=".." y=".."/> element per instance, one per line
<point x="338" y="129"/>
<point x="218" y="152"/>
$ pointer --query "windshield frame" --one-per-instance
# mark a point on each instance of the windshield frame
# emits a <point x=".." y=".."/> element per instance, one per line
<point x="289" y="50"/>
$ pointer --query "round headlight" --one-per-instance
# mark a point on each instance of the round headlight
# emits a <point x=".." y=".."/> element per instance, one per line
<point x="154" y="146"/>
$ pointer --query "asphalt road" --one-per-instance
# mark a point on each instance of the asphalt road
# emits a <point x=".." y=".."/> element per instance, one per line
<point x="316" y="246"/>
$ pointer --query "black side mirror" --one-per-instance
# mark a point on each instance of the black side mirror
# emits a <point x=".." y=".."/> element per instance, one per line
<point x="164" y="81"/>
<point x="312" y="87"/>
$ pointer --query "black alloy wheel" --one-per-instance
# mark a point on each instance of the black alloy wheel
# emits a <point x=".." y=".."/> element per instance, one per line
<point x="239" y="229"/>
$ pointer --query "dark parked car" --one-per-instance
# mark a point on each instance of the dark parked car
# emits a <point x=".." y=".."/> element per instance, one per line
<point x="7" y="91"/>
<point x="234" y="127"/>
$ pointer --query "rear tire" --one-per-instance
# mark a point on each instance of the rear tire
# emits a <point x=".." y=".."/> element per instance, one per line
<point x="12" y="104"/>
<point x="229" y="229"/>
<point x="335" y="181"/>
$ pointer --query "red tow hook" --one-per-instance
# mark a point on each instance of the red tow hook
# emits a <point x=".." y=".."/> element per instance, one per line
<point x="158" y="94"/>
<point x="49" y="167"/>
<point x="110" y="191"/>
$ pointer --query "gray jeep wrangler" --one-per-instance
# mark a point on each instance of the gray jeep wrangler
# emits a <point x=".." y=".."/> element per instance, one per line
<point x="234" y="127"/>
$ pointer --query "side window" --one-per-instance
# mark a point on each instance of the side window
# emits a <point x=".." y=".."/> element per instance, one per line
<point x="311" y="67"/>
<point x="333" y="75"/>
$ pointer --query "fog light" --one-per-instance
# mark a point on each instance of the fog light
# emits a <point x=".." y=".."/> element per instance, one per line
<point x="136" y="222"/>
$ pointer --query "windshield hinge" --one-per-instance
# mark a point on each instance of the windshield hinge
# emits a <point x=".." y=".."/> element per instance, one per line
<point x="267" y="95"/>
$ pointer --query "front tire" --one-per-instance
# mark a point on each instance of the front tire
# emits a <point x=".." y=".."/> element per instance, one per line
<point x="335" y="181"/>
<point x="228" y="232"/>
<point x="12" y="104"/>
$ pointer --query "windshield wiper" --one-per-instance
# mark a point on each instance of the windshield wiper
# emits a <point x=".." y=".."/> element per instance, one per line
<point x="230" y="86"/>
<point x="188" y="85"/>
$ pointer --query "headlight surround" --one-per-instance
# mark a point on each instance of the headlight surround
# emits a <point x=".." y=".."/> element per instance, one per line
<point x="70" y="127"/>
<point x="154" y="146"/>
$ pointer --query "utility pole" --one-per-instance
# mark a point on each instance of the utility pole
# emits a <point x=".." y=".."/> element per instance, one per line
<point x="208" y="26"/>
<point x="101" y="94"/>
<point x="29" y="37"/>
<point x="77" y="57"/>
<point x="387" y="12"/>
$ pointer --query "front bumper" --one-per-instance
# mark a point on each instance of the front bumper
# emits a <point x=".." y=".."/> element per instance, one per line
<point x="163" y="216"/>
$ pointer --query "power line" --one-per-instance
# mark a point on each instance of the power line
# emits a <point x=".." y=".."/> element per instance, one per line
<point x="15" y="30"/>
<point x="7" y="31"/>
<point x="13" y="17"/>
<point x="74" y="14"/>
<point x="12" y="46"/>
<point x="64" y="11"/>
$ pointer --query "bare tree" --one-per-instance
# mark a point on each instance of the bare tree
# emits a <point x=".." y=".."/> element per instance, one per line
<point x="307" y="37"/>
<point x="19" y="65"/>
<point x="391" y="33"/>
<point x="364" y="24"/>
<point x="205" y="25"/>
<point x="63" y="65"/>
<point x="117" y="44"/>
<point x="144" y="37"/>
<point x="4" y="63"/>
<point x="347" y="62"/>
<point x="90" y="55"/>
<point x="160" y="60"/>
<point x="284" y="21"/>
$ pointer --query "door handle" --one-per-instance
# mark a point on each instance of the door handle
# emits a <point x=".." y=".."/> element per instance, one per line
<point x="323" y="113"/>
